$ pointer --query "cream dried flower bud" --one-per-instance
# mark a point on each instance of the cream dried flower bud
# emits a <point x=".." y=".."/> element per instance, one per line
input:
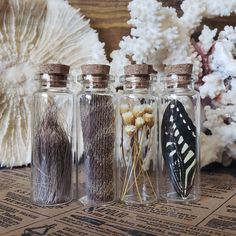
<point x="124" y="108"/>
<point x="138" y="110"/>
<point x="148" y="109"/>
<point x="139" y="122"/>
<point x="149" y="119"/>
<point x="130" y="129"/>
<point x="128" y="118"/>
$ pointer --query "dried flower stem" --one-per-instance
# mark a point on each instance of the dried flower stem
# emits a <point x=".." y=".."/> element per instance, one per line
<point x="137" y="163"/>
<point x="122" y="139"/>
<point x="135" y="177"/>
<point x="126" y="182"/>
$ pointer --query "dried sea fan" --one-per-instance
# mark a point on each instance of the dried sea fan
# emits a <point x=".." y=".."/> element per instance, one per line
<point x="32" y="33"/>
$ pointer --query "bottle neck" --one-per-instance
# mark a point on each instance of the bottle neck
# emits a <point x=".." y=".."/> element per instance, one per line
<point x="54" y="81"/>
<point x="177" y="81"/>
<point x="95" y="88"/>
<point x="136" y="89"/>
<point x="137" y="83"/>
<point x="95" y="82"/>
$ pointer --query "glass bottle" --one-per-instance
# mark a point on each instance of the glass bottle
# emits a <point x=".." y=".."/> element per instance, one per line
<point x="96" y="136"/>
<point x="137" y="146"/>
<point x="179" y="136"/>
<point x="52" y="152"/>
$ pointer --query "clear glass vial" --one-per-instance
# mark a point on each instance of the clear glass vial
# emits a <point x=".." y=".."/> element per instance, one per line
<point x="96" y="136"/>
<point x="52" y="153"/>
<point x="137" y="147"/>
<point x="179" y="136"/>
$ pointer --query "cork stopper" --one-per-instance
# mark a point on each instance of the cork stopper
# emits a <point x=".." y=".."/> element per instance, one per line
<point x="95" y="75"/>
<point x="178" y="75"/>
<point x="179" y="69"/>
<point x="138" y="69"/>
<point x="137" y="75"/>
<point x="95" y="69"/>
<point x="56" y="69"/>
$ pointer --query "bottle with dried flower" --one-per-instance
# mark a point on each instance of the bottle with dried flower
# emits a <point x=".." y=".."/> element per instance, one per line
<point x="179" y="136"/>
<point x="52" y="153"/>
<point x="96" y="136"/>
<point x="137" y="147"/>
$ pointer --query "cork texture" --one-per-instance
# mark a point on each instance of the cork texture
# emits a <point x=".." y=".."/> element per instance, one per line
<point x="94" y="69"/>
<point x="54" y="69"/>
<point x="179" y="69"/>
<point x="138" y="69"/>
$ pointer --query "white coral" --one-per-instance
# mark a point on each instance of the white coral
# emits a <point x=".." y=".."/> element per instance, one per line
<point x="213" y="86"/>
<point x="31" y="33"/>
<point x="211" y="149"/>
<point x="220" y="146"/>
<point x="154" y="29"/>
<point x="222" y="120"/>
<point x="229" y="33"/>
<point x="220" y="86"/>
<point x="159" y="37"/>
<point x="207" y="38"/>
<point x="223" y="60"/>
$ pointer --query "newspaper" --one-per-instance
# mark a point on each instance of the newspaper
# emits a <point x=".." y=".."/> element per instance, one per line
<point x="215" y="214"/>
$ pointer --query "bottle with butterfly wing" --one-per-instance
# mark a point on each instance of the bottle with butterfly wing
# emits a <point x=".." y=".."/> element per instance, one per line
<point x="137" y="146"/>
<point x="179" y="165"/>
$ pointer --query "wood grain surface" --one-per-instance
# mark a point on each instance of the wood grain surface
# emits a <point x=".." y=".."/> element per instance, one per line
<point x="109" y="18"/>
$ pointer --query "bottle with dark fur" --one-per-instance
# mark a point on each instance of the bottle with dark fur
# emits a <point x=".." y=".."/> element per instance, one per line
<point x="52" y="158"/>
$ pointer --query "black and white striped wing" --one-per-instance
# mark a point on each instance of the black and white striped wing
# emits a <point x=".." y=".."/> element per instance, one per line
<point x="178" y="135"/>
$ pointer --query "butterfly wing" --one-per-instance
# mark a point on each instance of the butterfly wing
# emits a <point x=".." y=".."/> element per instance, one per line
<point x="179" y="138"/>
